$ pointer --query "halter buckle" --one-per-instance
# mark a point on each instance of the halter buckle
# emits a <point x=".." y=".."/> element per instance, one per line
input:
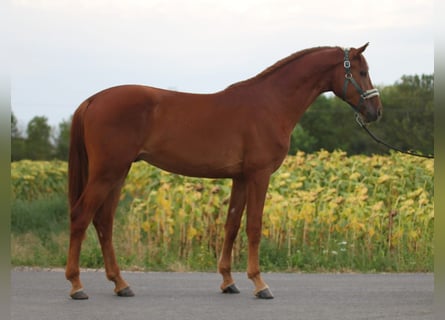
<point x="359" y="120"/>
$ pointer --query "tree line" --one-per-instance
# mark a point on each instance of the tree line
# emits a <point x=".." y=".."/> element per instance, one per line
<point x="407" y="122"/>
<point x="39" y="142"/>
<point x="329" y="123"/>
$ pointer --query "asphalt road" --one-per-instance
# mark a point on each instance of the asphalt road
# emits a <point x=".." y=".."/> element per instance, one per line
<point x="159" y="295"/>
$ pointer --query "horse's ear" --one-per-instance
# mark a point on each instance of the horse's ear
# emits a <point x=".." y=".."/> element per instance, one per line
<point x="362" y="48"/>
<point x="357" y="52"/>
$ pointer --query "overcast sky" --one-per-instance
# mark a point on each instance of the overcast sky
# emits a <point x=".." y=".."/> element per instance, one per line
<point x="64" y="51"/>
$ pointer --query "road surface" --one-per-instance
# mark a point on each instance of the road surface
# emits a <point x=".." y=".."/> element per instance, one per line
<point x="161" y="295"/>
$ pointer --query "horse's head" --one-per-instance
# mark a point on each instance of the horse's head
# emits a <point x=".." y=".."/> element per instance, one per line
<point x="353" y="84"/>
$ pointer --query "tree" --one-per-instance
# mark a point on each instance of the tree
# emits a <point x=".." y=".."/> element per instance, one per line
<point x="408" y="120"/>
<point x="63" y="140"/>
<point x="330" y="122"/>
<point x="38" y="141"/>
<point x="301" y="140"/>
<point x="18" y="148"/>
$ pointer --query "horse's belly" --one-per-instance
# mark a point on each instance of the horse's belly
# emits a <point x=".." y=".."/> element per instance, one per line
<point x="195" y="164"/>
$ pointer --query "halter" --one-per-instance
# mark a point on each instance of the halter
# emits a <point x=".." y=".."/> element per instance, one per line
<point x="364" y="95"/>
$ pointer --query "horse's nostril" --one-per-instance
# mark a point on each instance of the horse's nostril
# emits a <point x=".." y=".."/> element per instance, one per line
<point x="379" y="112"/>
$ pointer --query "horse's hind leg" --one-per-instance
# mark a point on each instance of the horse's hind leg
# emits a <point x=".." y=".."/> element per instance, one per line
<point x="96" y="191"/>
<point x="103" y="222"/>
<point x="80" y="219"/>
<point x="236" y="208"/>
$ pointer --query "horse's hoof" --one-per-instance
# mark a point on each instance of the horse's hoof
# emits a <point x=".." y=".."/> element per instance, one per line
<point x="79" y="295"/>
<point x="125" y="292"/>
<point x="264" y="294"/>
<point x="231" y="289"/>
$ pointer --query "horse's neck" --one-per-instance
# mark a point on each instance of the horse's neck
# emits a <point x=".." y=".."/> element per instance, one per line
<point x="297" y="84"/>
<point x="306" y="76"/>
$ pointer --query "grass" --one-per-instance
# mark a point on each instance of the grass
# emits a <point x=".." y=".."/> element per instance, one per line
<point x="43" y="217"/>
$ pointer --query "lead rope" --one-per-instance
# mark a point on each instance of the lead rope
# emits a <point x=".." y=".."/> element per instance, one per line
<point x="361" y="124"/>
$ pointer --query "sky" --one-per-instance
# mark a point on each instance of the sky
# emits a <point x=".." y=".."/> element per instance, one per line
<point x="64" y="51"/>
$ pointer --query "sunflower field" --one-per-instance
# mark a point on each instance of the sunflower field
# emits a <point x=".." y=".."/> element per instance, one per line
<point x="324" y="211"/>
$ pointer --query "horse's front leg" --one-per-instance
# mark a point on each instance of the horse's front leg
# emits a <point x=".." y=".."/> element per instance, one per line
<point x="256" y="193"/>
<point x="236" y="208"/>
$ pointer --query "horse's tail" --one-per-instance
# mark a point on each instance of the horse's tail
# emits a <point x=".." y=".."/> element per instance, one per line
<point x="78" y="157"/>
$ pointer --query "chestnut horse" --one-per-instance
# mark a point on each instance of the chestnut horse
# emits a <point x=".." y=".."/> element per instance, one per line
<point x="242" y="133"/>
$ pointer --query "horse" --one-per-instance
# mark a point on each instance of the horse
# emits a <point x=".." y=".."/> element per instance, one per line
<point x="240" y="133"/>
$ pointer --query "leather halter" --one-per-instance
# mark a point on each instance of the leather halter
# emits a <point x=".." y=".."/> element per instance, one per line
<point x="364" y="95"/>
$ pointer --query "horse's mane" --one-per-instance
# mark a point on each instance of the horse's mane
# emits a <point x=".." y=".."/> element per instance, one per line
<point x="281" y="63"/>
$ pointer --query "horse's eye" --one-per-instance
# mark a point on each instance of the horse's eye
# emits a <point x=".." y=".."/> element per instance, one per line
<point x="363" y="73"/>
